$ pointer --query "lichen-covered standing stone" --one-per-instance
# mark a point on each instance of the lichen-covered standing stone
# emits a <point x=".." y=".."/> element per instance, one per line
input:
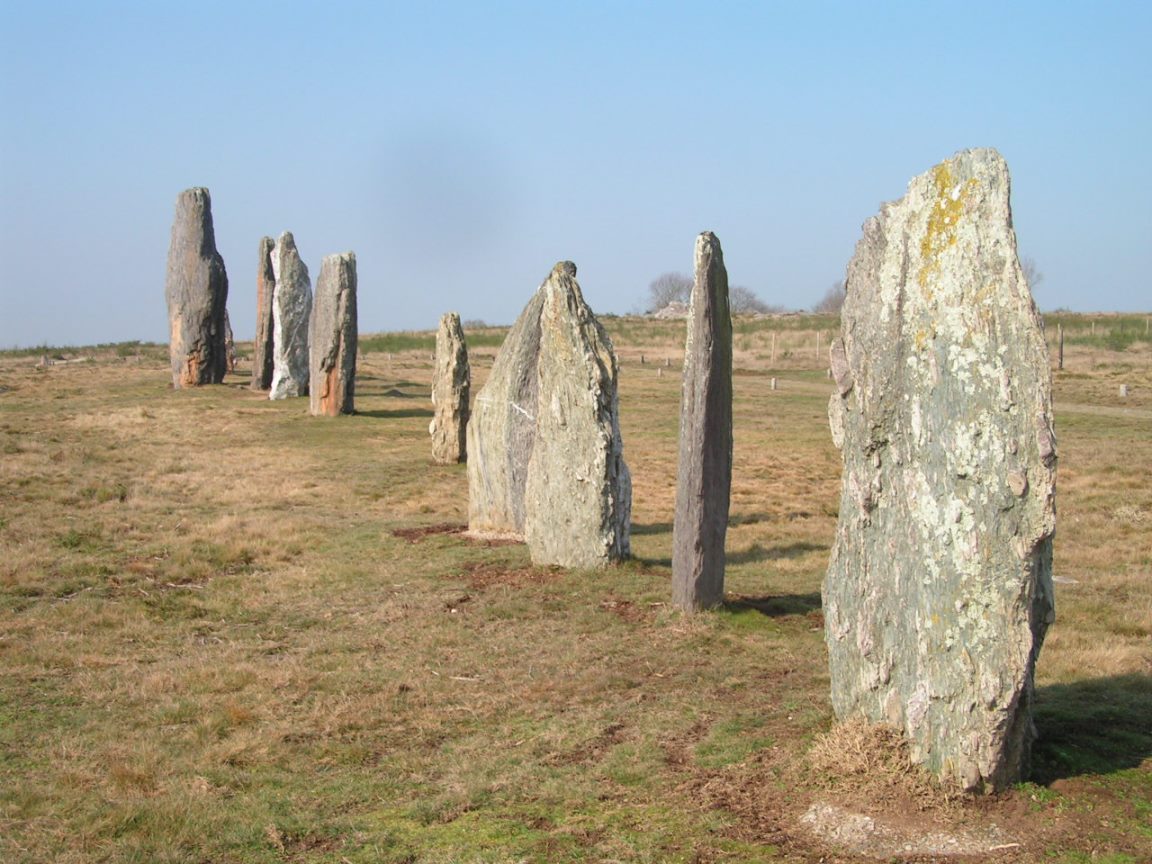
<point x="704" y="475"/>
<point x="545" y="457"/>
<point x="291" y="312"/>
<point x="196" y="289"/>
<point x="332" y="338"/>
<point x="939" y="589"/>
<point x="450" y="393"/>
<point x="262" y="359"/>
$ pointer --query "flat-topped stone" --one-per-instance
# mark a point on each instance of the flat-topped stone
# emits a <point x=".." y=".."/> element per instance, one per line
<point x="332" y="338"/>
<point x="451" y="385"/>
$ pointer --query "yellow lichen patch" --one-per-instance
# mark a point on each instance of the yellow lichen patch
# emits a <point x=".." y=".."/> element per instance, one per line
<point x="923" y="336"/>
<point x="945" y="214"/>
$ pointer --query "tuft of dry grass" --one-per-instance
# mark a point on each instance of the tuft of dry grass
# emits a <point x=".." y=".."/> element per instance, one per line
<point x="870" y="764"/>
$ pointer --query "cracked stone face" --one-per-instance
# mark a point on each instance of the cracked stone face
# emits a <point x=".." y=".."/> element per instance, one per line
<point x="939" y="589"/>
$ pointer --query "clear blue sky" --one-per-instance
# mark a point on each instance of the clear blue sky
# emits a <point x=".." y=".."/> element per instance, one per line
<point x="460" y="149"/>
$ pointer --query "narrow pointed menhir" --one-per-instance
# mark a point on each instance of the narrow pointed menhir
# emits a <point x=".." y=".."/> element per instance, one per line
<point x="196" y="289"/>
<point x="939" y="587"/>
<point x="332" y="338"/>
<point x="262" y="358"/>
<point x="704" y="476"/>
<point x="450" y="393"/>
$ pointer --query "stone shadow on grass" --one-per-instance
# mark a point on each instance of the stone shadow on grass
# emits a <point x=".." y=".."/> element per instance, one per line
<point x="640" y="529"/>
<point x="774" y="605"/>
<point x="398" y="414"/>
<point x="756" y="552"/>
<point x="1094" y="726"/>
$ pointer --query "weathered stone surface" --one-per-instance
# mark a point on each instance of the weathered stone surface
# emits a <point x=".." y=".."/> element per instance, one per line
<point x="291" y="312"/>
<point x="578" y="494"/>
<point x="939" y="589"/>
<point x="262" y="355"/>
<point x="196" y="289"/>
<point x="545" y="457"/>
<point x="451" y="388"/>
<point x="333" y="337"/>
<point x="704" y="475"/>
<point x="502" y="431"/>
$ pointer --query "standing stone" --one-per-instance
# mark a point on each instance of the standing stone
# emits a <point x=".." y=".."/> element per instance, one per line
<point x="450" y="390"/>
<point x="262" y="352"/>
<point x="333" y="336"/>
<point x="939" y="589"/>
<point x="291" y="311"/>
<point x="502" y="431"/>
<point x="704" y="476"/>
<point x="229" y="344"/>
<point x="578" y="495"/>
<point x="196" y="289"/>
<point x="545" y="457"/>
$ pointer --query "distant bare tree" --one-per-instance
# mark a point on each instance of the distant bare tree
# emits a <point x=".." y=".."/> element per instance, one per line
<point x="743" y="300"/>
<point x="668" y="287"/>
<point x="1032" y="274"/>
<point x="832" y="301"/>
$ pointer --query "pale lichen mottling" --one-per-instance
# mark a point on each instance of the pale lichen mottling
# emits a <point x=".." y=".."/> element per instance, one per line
<point x="950" y="401"/>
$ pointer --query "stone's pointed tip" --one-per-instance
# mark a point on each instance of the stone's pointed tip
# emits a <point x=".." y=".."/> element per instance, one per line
<point x="565" y="268"/>
<point x="706" y="241"/>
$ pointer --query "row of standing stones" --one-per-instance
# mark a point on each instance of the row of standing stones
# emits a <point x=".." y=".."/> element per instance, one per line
<point x="303" y="346"/>
<point x="938" y="592"/>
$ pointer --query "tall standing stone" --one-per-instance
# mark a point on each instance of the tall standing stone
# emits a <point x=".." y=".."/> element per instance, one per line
<point x="939" y="589"/>
<point x="578" y="494"/>
<point x="196" y="289"/>
<point x="291" y="312"/>
<point x="262" y="352"/>
<point x="450" y="393"/>
<point x="545" y="457"/>
<point x="704" y="476"/>
<point x="332" y="337"/>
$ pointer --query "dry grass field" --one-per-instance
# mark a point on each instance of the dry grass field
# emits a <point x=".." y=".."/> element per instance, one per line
<point x="231" y="632"/>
